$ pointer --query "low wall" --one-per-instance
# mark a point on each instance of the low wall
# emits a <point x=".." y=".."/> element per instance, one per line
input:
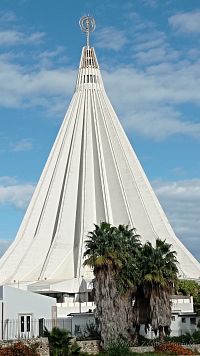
<point x="89" y="346"/>
<point x="142" y="349"/>
<point x="92" y="347"/>
<point x="42" y="349"/>
<point x="195" y="347"/>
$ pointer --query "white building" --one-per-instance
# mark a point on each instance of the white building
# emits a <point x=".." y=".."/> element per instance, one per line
<point x="183" y="320"/>
<point x="79" y="323"/>
<point x="20" y="312"/>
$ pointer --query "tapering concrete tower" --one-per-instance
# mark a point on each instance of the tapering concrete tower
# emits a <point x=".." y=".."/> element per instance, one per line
<point x="92" y="175"/>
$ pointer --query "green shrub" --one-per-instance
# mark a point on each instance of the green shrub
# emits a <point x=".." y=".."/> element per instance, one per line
<point x="186" y="338"/>
<point x="119" y="347"/>
<point x="143" y="341"/>
<point x="195" y="337"/>
<point x="91" y="332"/>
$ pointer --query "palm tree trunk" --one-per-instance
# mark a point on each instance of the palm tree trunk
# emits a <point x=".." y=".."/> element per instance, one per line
<point x="111" y="308"/>
<point x="161" y="333"/>
<point x="141" y="311"/>
<point x="160" y="309"/>
<point x="136" y="334"/>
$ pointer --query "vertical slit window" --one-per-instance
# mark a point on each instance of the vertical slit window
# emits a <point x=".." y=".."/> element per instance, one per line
<point x="22" y="324"/>
<point x="87" y="78"/>
<point x="28" y="323"/>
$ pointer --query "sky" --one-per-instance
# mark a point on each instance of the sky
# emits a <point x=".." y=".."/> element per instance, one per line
<point x="149" y="54"/>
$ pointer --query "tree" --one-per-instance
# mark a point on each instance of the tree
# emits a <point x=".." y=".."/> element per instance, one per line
<point x="111" y="252"/>
<point x="158" y="267"/>
<point x="189" y="287"/>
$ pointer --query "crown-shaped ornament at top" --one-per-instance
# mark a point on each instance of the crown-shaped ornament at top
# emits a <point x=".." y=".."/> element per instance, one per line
<point x="87" y="25"/>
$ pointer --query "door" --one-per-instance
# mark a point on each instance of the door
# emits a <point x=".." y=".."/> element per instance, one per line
<point x="25" y="326"/>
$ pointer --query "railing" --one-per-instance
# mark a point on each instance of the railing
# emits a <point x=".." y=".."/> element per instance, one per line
<point x="13" y="329"/>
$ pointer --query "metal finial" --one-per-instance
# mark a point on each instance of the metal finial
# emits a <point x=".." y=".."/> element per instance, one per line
<point x="87" y="25"/>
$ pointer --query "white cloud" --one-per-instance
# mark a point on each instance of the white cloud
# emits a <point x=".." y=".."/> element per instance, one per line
<point x="159" y="122"/>
<point x="24" y="144"/>
<point x="187" y="22"/>
<point x="151" y="46"/>
<point x="181" y="202"/>
<point x="7" y="16"/>
<point x="39" y="88"/>
<point x="154" y="55"/>
<point x="12" y="37"/>
<point x="183" y="191"/>
<point x="110" y="38"/>
<point x="6" y="180"/>
<point x="149" y="42"/>
<point x="48" y="58"/>
<point x="14" y="193"/>
<point x="51" y="54"/>
<point x="151" y="96"/>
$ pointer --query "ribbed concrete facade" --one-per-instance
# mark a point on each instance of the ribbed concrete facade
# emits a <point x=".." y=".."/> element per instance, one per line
<point x="92" y="175"/>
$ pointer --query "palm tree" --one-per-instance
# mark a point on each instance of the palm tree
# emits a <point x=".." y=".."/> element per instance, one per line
<point x="61" y="342"/>
<point x="159" y="270"/>
<point x="111" y="252"/>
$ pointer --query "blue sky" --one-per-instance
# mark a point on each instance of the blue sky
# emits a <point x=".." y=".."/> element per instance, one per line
<point x="149" y="54"/>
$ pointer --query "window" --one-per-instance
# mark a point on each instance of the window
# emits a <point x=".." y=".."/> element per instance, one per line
<point x="193" y="321"/>
<point x="77" y="330"/>
<point x="183" y="320"/>
<point x="22" y="324"/>
<point x="173" y="318"/>
<point x="25" y="324"/>
<point x="90" y="297"/>
<point x="28" y="323"/>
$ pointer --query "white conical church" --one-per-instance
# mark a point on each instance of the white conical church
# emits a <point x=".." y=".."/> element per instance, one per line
<point x="92" y="175"/>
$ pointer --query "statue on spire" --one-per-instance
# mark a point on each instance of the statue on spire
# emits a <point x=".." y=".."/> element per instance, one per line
<point x="87" y="25"/>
